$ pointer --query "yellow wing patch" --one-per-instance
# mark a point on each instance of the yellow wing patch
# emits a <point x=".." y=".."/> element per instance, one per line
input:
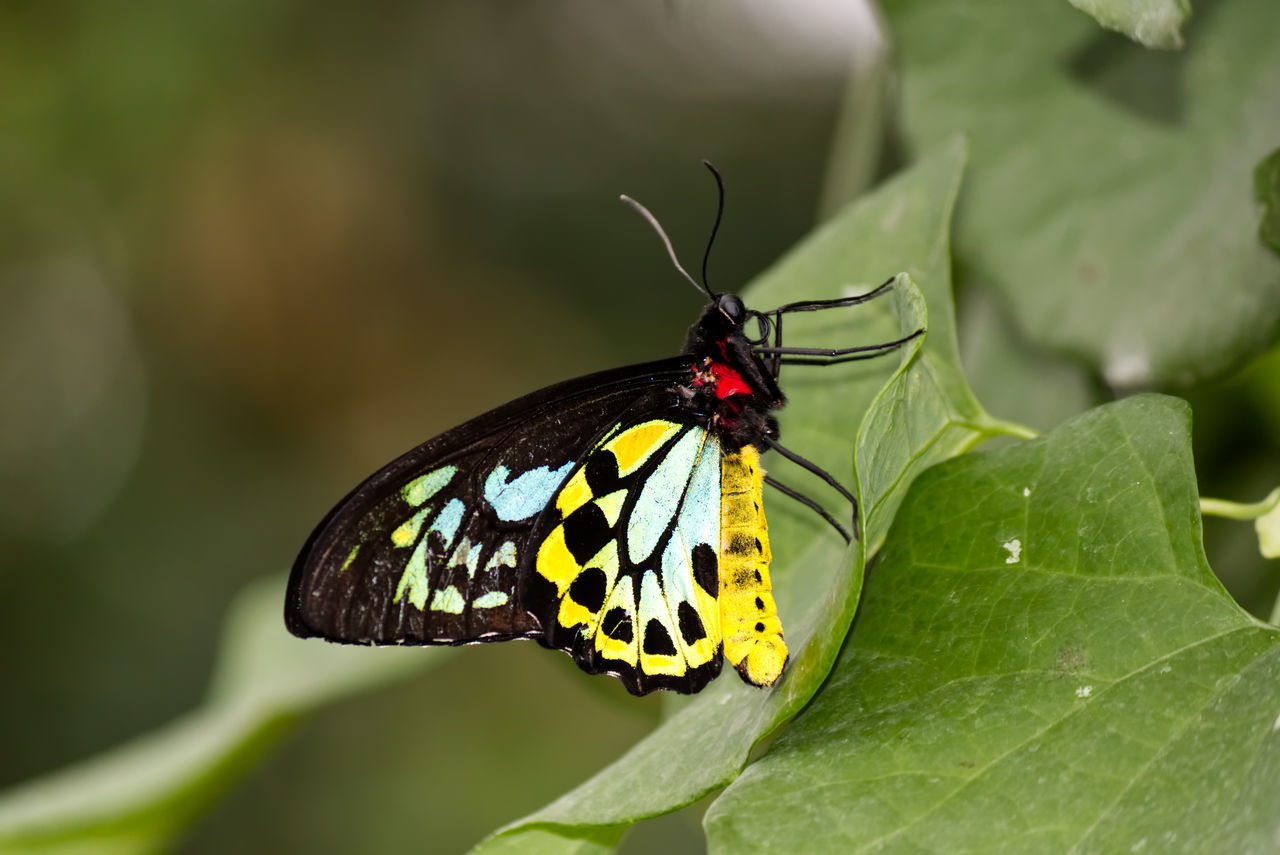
<point x="575" y="493"/>
<point x="555" y="563"/>
<point x="634" y="446"/>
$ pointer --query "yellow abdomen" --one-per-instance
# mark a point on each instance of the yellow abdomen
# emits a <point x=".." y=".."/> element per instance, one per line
<point x="748" y="615"/>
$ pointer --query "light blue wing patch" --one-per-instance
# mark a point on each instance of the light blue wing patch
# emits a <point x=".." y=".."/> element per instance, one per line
<point x="661" y="496"/>
<point x="448" y="521"/>
<point x="527" y="494"/>
<point x="699" y="522"/>
<point x="700" y="514"/>
<point x="694" y="611"/>
<point x="491" y="600"/>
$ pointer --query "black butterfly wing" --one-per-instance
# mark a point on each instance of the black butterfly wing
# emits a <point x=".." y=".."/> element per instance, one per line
<point x="432" y="548"/>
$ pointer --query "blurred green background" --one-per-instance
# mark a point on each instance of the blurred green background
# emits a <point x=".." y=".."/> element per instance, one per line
<point x="251" y="251"/>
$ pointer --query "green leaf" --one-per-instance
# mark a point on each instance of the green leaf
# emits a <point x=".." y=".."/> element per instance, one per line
<point x="1266" y="188"/>
<point x="1154" y="23"/>
<point x="902" y="226"/>
<point x="1111" y="186"/>
<point x="1043" y="662"/>
<point x="140" y="796"/>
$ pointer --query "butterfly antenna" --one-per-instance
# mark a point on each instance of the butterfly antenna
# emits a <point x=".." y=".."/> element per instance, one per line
<point x="666" y="241"/>
<point x="715" y="229"/>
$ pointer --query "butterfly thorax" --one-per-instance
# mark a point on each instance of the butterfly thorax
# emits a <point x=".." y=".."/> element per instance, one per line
<point x="729" y="387"/>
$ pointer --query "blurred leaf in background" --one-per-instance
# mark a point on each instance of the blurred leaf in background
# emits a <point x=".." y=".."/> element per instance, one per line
<point x="1072" y="215"/>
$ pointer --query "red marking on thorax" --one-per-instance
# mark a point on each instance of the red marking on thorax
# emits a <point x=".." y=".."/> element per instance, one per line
<point x="728" y="381"/>
<point x="723" y="378"/>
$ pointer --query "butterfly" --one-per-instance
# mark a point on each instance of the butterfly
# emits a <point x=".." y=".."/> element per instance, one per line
<point x="618" y="516"/>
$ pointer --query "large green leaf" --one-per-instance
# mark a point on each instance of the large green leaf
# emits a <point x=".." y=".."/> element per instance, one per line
<point x="903" y="226"/>
<point x="140" y="796"/>
<point x="1043" y="662"/>
<point x="1111" y="187"/>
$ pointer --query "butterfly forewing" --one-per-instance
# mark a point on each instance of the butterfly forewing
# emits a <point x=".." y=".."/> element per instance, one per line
<point x="429" y="550"/>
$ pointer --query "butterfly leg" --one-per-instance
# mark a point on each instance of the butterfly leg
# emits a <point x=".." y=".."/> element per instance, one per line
<point x="814" y="506"/>
<point x="809" y="466"/>
<point x="833" y="356"/>
<point x="837" y="302"/>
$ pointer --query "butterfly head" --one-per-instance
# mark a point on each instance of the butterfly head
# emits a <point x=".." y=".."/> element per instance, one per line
<point x="730" y="384"/>
<point x="727" y="317"/>
<point x="732" y="307"/>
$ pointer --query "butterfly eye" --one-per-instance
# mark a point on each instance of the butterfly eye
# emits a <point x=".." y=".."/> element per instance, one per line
<point x="732" y="308"/>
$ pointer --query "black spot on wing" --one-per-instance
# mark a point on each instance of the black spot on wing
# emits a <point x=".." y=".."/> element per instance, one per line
<point x="691" y="628"/>
<point x="602" y="473"/>
<point x="617" y="625"/>
<point x="586" y="531"/>
<point x="588" y="590"/>
<point x="657" y="641"/>
<point x="706" y="570"/>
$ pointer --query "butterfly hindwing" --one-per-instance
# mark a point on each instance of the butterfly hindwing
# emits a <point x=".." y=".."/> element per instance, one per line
<point x="625" y="576"/>
<point x="431" y="549"/>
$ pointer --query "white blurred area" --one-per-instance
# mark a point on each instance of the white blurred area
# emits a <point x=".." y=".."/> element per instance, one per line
<point x="754" y="46"/>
